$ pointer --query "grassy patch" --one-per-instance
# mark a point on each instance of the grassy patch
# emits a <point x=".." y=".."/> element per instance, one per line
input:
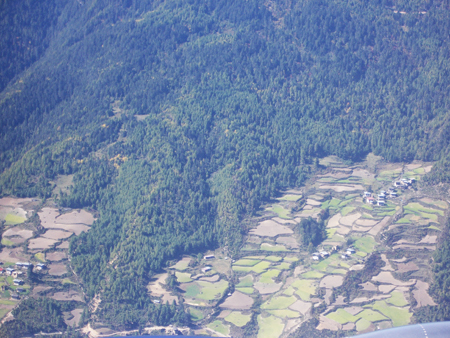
<point x="361" y="254"/>
<point x="334" y="203"/>
<point x="12" y="219"/>
<point x="419" y="208"/>
<point x="371" y="316"/>
<point x="365" y="244"/>
<point x="331" y="232"/>
<point x="241" y="268"/>
<point x="398" y="316"/>
<point x="339" y="271"/>
<point x="247" y="281"/>
<point x="246" y="262"/>
<point x="291" y="198"/>
<point x="367" y="207"/>
<point x="7" y="302"/>
<point x="260" y="267"/>
<point x="273" y="258"/>
<point x="342" y="317"/>
<point x="434" y="228"/>
<point x="304" y="288"/>
<point x="3" y="312"/>
<point x="181" y="265"/>
<point x="218" y="326"/>
<point x="397" y="299"/>
<point x="323" y="265"/>
<point x="278" y="303"/>
<point x="67" y="281"/>
<point x="183" y="277"/>
<point x="345" y="211"/>
<point x="403" y="220"/>
<point x="284" y="313"/>
<point x="312" y="274"/>
<point x="7" y="242"/>
<point x="289" y="291"/>
<point x="238" y="319"/>
<point x="270" y="327"/>
<point x="290" y="259"/>
<point x="266" y="277"/>
<point x="196" y="314"/>
<point x="362" y="324"/>
<point x="280" y="211"/>
<point x="273" y="248"/>
<point x="283" y="266"/>
<point x="192" y="290"/>
<point x="40" y="256"/>
<point x="210" y="291"/>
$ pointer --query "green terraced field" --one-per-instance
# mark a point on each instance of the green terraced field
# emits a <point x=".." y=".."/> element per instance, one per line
<point x="283" y="266"/>
<point x="238" y="319"/>
<point x="434" y="228"/>
<point x="273" y="258"/>
<point x="323" y="265"/>
<point x="289" y="291"/>
<point x="246" y="262"/>
<point x="181" y="265"/>
<point x="371" y="316"/>
<point x="270" y="327"/>
<point x="398" y="316"/>
<point x="218" y="326"/>
<point x="260" y="267"/>
<point x="331" y="232"/>
<point x="339" y="271"/>
<point x="12" y="219"/>
<point x="417" y="207"/>
<point x="7" y="242"/>
<point x="247" y="281"/>
<point x="210" y="291"/>
<point x="284" y="313"/>
<point x="183" y="277"/>
<point x="304" y="288"/>
<point x="266" y="277"/>
<point x="345" y="211"/>
<point x="362" y="324"/>
<point x="192" y="290"/>
<point x="290" y="259"/>
<point x="342" y="317"/>
<point x="397" y="299"/>
<point x="280" y="211"/>
<point x="241" y="268"/>
<point x="278" y="303"/>
<point x="291" y="198"/>
<point x="365" y="244"/>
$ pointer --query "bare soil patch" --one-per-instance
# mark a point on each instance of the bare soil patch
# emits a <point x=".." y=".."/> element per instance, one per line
<point x="429" y="240"/>
<point x="214" y="278"/>
<point x="364" y="174"/>
<point x="76" y="216"/>
<point x="40" y="288"/>
<point x="368" y="286"/>
<point x="266" y="289"/>
<point x="288" y="241"/>
<point x="312" y="202"/>
<point x="387" y="278"/>
<point x="334" y="221"/>
<point x="270" y="228"/>
<point x="414" y="247"/>
<point x="412" y="166"/>
<point x="360" y="228"/>
<point x="337" y="175"/>
<point x="77" y="229"/>
<point x="331" y="281"/>
<point x="57" y="269"/>
<point x="301" y="306"/>
<point x="328" y="324"/>
<point x="18" y="231"/>
<point x="428" y="168"/>
<point x="340" y="300"/>
<point x="41" y="243"/>
<point x="421" y="295"/>
<point x="406" y="267"/>
<point x="350" y="219"/>
<point x="366" y="222"/>
<point x="348" y="326"/>
<point x="14" y="202"/>
<point x="224" y="313"/>
<point x="343" y="230"/>
<point x="56" y="256"/>
<point x="155" y="286"/>
<point x="386" y="288"/>
<point x="67" y="296"/>
<point x="57" y="234"/>
<point x="238" y="301"/>
<point x="388" y="266"/>
<point x="48" y="216"/>
<point x="357" y="267"/>
<point x="75" y="316"/>
<point x="13" y="255"/>
<point x="283" y="221"/>
<point x="377" y="228"/>
<point x="342" y="188"/>
<point x="63" y="245"/>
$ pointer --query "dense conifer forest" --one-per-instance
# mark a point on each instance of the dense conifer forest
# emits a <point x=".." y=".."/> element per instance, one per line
<point x="179" y="118"/>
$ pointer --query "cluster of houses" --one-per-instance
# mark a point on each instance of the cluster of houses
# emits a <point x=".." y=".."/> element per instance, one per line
<point x="380" y="199"/>
<point x="317" y="256"/>
<point x="15" y="272"/>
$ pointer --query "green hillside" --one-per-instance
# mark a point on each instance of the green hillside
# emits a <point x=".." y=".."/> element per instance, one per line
<point x="178" y="118"/>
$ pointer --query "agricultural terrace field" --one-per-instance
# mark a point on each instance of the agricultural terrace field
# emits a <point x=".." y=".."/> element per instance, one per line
<point x="273" y="268"/>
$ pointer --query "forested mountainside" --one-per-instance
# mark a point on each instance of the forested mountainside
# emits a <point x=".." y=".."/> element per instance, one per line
<point x="177" y="118"/>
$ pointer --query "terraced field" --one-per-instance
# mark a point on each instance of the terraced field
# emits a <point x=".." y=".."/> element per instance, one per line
<point x="274" y="269"/>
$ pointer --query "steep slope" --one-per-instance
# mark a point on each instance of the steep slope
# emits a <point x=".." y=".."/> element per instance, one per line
<point x="178" y="118"/>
